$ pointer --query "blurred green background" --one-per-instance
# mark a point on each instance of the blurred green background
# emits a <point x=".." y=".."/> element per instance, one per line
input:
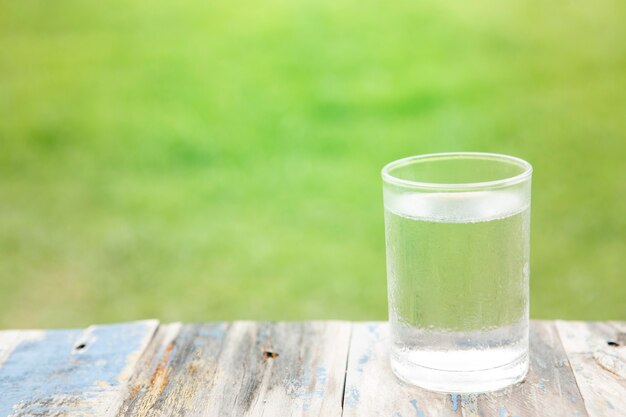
<point x="205" y="160"/>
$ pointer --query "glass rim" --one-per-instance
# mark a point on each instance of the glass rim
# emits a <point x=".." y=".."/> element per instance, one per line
<point x="515" y="179"/>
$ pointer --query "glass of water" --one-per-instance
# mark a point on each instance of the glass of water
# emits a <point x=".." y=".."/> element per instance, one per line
<point x="457" y="230"/>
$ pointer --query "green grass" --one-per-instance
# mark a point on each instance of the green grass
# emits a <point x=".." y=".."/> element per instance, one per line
<point x="207" y="160"/>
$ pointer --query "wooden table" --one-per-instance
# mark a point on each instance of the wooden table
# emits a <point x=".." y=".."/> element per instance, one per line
<point x="318" y="368"/>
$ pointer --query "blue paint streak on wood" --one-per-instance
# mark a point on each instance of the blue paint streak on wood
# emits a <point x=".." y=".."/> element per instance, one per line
<point x="418" y="411"/>
<point x="305" y="381"/>
<point x="39" y="374"/>
<point x="374" y="329"/>
<point x="264" y="332"/>
<point x="455" y="401"/>
<point x="504" y="412"/>
<point x="26" y="374"/>
<point x="542" y="386"/>
<point x="352" y="397"/>
<point x="213" y="330"/>
<point x="322" y="375"/>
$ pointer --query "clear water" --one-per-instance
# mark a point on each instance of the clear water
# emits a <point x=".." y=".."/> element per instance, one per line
<point x="458" y="267"/>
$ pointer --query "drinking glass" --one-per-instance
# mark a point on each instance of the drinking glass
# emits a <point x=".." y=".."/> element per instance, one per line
<point x="457" y="229"/>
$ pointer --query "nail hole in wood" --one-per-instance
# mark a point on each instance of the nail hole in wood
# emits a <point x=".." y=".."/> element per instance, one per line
<point x="612" y="343"/>
<point x="80" y="347"/>
<point x="269" y="355"/>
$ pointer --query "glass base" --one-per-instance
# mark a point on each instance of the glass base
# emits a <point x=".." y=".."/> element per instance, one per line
<point x="461" y="382"/>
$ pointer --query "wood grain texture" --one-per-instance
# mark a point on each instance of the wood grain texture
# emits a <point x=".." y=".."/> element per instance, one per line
<point x="305" y="379"/>
<point x="70" y="372"/>
<point x="373" y="390"/>
<point x="598" y="358"/>
<point x="242" y="369"/>
<point x="289" y="369"/>
<point x="176" y="374"/>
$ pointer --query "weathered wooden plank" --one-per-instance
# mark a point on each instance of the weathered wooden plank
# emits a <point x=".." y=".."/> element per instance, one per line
<point x="176" y="372"/>
<point x="305" y="379"/>
<point x="71" y="372"/>
<point x="598" y="357"/>
<point x="255" y="369"/>
<point x="373" y="390"/>
<point x="242" y="369"/>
